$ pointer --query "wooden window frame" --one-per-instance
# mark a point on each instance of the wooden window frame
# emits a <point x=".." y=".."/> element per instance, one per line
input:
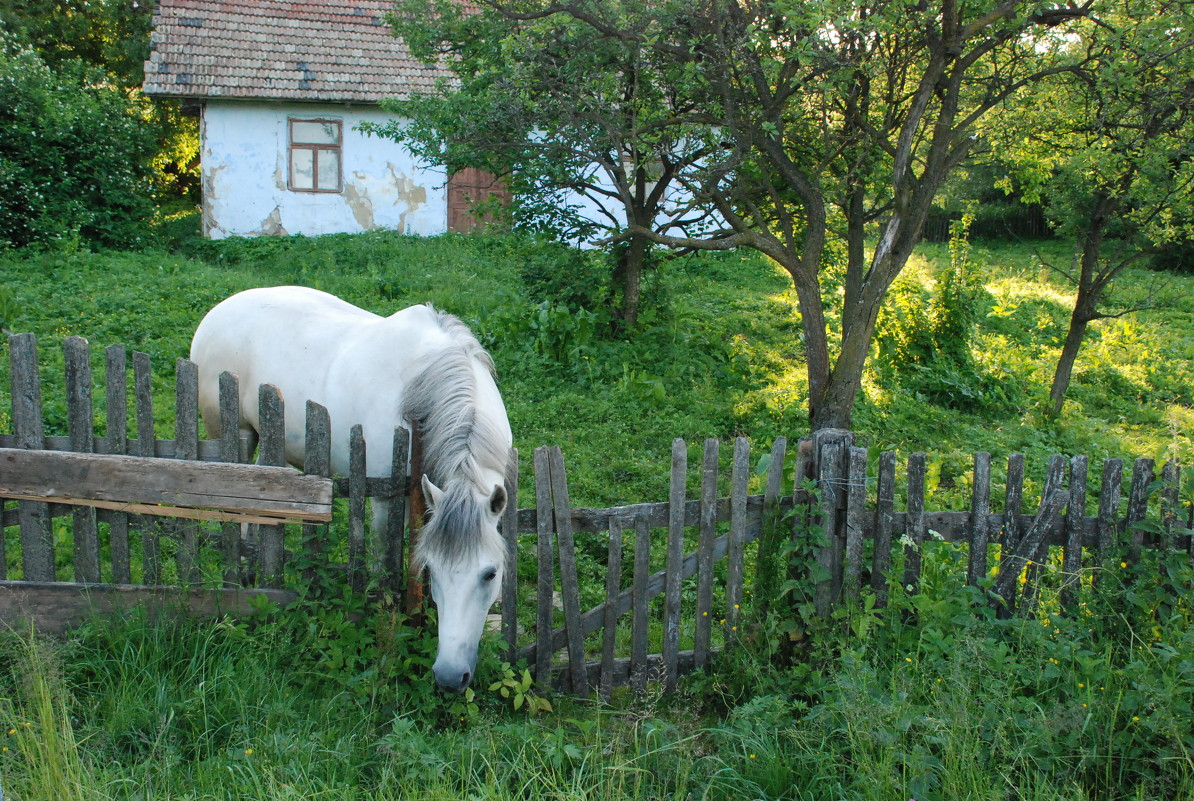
<point x="315" y="150"/>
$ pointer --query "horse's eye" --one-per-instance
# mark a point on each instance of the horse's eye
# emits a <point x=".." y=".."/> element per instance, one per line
<point x="489" y="574"/>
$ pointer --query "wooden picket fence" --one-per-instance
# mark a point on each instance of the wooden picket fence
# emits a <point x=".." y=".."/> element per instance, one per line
<point x="683" y="597"/>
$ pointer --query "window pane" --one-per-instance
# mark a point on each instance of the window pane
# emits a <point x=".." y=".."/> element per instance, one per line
<point x="302" y="168"/>
<point x="329" y="169"/>
<point x="314" y="133"/>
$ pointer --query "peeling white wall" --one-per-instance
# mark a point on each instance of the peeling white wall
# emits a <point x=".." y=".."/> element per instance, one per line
<point x="244" y="148"/>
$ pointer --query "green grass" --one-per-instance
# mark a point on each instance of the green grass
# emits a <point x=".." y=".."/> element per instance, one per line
<point x="930" y="699"/>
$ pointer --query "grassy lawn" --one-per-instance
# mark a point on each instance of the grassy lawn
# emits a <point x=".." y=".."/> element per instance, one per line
<point x="932" y="698"/>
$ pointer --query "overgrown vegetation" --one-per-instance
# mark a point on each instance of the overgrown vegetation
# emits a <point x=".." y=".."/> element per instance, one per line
<point x="931" y="698"/>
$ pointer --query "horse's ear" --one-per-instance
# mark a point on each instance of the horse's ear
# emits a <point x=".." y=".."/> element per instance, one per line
<point x="432" y="493"/>
<point x="497" y="501"/>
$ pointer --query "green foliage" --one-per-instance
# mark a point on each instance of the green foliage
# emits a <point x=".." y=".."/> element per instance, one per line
<point x="74" y="156"/>
<point x="518" y="689"/>
<point x="925" y="340"/>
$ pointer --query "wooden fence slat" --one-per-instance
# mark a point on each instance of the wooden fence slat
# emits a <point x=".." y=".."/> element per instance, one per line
<point x="708" y="533"/>
<point x="914" y="533"/>
<point x="317" y="461"/>
<point x="1142" y="479"/>
<point x="1054" y="481"/>
<point x="116" y="407"/>
<point x="1071" y="561"/>
<point x="186" y="443"/>
<point x="356" y="508"/>
<point x="271" y="451"/>
<point x="980" y="510"/>
<point x="1013" y="563"/>
<point x="1170" y="478"/>
<point x="151" y="544"/>
<point x="80" y="421"/>
<point x="855" y="522"/>
<point x="829" y="555"/>
<point x="640" y="621"/>
<point x="1109" y="499"/>
<point x="510" y="576"/>
<point x="569" y="580"/>
<point x="675" y="553"/>
<point x="884" y="517"/>
<point x="739" y="487"/>
<point x="545" y="531"/>
<point x="394" y="537"/>
<point x="1013" y="504"/>
<point x="416" y="512"/>
<point x="230" y="544"/>
<point x="613" y="586"/>
<point x="37" y="531"/>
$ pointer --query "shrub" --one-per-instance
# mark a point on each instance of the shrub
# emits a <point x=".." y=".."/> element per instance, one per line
<point x="75" y="155"/>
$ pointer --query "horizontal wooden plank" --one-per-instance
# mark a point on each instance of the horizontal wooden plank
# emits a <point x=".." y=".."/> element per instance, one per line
<point x="165" y="486"/>
<point x="53" y="607"/>
<point x="945" y="526"/>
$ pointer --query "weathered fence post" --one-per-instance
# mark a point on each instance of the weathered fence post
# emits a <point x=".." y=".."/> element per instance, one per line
<point x="186" y="446"/>
<point x="830" y="453"/>
<point x="739" y="487"/>
<point x="708" y="531"/>
<point x="230" y="541"/>
<point x="116" y="403"/>
<point x="151" y="540"/>
<point x="569" y="580"/>
<point x="317" y="461"/>
<point x="37" y="532"/>
<point x="80" y="426"/>
<point x="356" y="508"/>
<point x="884" y="518"/>
<point x="510" y="577"/>
<point x="980" y="511"/>
<point x="271" y="451"/>
<point x="613" y="585"/>
<point x="416" y="510"/>
<point x="1071" y="563"/>
<point x="1142" y="479"/>
<point x="545" y="550"/>
<point x="675" y="555"/>
<point x="640" y="601"/>
<point x="914" y="532"/>
<point x="393" y="557"/>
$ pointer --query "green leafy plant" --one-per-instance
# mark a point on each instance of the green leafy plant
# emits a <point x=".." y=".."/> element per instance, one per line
<point x="518" y="689"/>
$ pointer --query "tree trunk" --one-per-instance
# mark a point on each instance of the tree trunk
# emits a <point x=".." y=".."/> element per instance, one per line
<point x="1065" y="364"/>
<point x="629" y="274"/>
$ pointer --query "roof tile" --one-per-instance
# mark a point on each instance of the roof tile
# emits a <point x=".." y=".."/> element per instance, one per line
<point x="303" y="50"/>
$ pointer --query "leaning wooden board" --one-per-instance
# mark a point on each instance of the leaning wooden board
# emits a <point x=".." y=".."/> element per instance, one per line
<point x="172" y="488"/>
<point x="53" y="607"/>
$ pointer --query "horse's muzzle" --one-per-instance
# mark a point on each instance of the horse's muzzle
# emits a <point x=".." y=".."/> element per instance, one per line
<point x="453" y="679"/>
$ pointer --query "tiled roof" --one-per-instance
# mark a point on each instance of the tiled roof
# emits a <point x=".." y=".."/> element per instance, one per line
<point x="280" y="50"/>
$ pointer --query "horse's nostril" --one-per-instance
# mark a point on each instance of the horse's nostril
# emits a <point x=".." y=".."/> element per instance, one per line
<point x="464" y="680"/>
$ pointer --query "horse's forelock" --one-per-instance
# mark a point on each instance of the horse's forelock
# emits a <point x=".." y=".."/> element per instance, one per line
<point x="459" y="530"/>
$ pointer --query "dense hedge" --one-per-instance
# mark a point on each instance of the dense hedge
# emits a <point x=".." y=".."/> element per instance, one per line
<point x="75" y="155"/>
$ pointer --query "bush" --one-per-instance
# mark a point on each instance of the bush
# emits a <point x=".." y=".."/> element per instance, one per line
<point x="75" y="155"/>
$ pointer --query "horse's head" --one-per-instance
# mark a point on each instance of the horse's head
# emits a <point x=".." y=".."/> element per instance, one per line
<point x="466" y="558"/>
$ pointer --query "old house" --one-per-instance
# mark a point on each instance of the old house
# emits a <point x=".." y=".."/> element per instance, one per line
<point x="280" y="87"/>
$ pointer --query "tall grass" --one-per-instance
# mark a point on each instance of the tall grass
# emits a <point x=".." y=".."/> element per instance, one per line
<point x="40" y="742"/>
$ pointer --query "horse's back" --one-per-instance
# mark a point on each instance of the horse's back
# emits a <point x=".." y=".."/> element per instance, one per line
<point x="315" y="346"/>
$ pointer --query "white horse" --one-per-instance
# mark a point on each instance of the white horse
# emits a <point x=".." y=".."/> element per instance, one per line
<point x="381" y="372"/>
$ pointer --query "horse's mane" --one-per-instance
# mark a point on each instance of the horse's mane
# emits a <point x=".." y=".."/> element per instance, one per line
<point x="457" y="443"/>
